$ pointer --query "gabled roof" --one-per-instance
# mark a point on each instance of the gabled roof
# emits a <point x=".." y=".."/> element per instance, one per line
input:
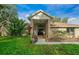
<point x="40" y="11"/>
<point x="62" y="25"/>
<point x="54" y="24"/>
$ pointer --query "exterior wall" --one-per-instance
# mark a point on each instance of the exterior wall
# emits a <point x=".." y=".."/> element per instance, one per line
<point x="76" y="32"/>
<point x="60" y="29"/>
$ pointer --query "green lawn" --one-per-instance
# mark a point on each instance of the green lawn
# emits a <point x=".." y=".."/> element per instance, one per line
<point x="23" y="46"/>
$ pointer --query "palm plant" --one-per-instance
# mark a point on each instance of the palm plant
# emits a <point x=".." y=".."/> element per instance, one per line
<point x="17" y="27"/>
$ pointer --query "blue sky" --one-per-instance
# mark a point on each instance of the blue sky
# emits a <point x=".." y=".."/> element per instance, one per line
<point x="60" y="10"/>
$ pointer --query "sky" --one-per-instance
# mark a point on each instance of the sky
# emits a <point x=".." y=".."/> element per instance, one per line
<point x="60" y="10"/>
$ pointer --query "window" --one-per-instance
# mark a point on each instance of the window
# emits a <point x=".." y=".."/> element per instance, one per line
<point x="70" y="30"/>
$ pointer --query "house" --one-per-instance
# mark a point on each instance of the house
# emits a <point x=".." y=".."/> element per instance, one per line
<point x="43" y="25"/>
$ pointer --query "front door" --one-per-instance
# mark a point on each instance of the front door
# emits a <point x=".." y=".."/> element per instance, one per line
<point x="41" y="31"/>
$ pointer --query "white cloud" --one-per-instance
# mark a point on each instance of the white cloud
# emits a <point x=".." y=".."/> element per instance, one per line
<point x="73" y="20"/>
<point x="25" y="15"/>
<point x="21" y="15"/>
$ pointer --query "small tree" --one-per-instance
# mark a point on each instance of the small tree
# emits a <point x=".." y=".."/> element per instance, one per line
<point x="65" y="20"/>
<point x="57" y="19"/>
<point x="17" y="27"/>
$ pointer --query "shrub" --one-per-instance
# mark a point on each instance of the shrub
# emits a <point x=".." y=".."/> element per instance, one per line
<point x="56" y="38"/>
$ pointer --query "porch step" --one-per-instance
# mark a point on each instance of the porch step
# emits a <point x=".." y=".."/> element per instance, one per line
<point x="41" y="40"/>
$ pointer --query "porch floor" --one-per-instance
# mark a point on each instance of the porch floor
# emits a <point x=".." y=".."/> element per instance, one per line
<point x="41" y="39"/>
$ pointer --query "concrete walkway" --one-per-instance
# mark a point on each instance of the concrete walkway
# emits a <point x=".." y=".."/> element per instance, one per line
<point x="57" y="43"/>
<point x="42" y="41"/>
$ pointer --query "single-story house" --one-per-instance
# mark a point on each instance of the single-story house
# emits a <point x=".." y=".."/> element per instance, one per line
<point x="42" y="24"/>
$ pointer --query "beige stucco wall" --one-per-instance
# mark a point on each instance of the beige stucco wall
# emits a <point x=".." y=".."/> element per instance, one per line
<point x="60" y="29"/>
<point x="76" y="30"/>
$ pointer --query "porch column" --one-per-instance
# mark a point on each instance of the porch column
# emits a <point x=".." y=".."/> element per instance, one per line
<point x="48" y="29"/>
<point x="31" y="28"/>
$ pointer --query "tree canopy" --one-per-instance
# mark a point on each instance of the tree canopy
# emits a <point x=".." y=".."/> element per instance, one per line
<point x="58" y="19"/>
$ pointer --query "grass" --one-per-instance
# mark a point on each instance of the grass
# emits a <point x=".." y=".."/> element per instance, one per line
<point x="23" y="46"/>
